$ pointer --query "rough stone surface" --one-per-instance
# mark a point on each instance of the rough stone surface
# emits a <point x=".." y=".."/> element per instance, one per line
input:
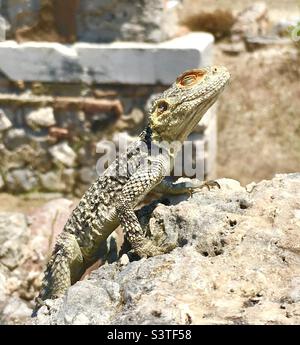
<point x="237" y="262"/>
<point x="14" y="10"/>
<point x="64" y="154"/>
<point x="16" y="311"/>
<point x="25" y="244"/>
<point x="13" y="236"/>
<point x="36" y="157"/>
<point x="21" y="180"/>
<point x="4" y="121"/>
<point x="129" y="62"/>
<point x="52" y="182"/>
<point x="47" y="222"/>
<point x="120" y="20"/>
<point x="43" y="117"/>
<point x="3" y="279"/>
<point x="15" y="137"/>
<point x="253" y="20"/>
<point x="2" y="184"/>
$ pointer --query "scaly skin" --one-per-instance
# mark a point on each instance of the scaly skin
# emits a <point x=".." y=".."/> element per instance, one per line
<point x="111" y="199"/>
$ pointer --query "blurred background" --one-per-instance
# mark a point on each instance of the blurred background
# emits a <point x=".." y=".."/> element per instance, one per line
<point x="75" y="73"/>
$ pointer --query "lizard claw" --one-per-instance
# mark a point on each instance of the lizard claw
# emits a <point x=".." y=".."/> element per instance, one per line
<point x="208" y="184"/>
<point x="148" y="249"/>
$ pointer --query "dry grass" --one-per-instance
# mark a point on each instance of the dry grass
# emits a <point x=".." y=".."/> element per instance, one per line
<point x="217" y="22"/>
<point x="259" y="115"/>
<point x="280" y="8"/>
<point x="215" y="16"/>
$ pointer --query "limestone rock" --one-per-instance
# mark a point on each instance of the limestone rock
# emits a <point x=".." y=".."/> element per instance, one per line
<point x="3" y="279"/>
<point x="130" y="62"/>
<point x="68" y="178"/>
<point x="46" y="222"/>
<point x="236" y="262"/>
<point x="5" y="123"/>
<point x="43" y="117"/>
<point x="13" y="237"/>
<point x="33" y="155"/>
<point x="15" y="311"/>
<point x="21" y="180"/>
<point x="13" y="11"/>
<point x="15" y="137"/>
<point x="252" y="21"/>
<point x="52" y="181"/>
<point x="2" y="184"/>
<point x="64" y="154"/>
<point x="117" y="20"/>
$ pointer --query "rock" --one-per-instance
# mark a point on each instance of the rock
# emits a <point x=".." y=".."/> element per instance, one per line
<point x="64" y="154"/>
<point x="130" y="62"/>
<point x="257" y="42"/>
<point x="236" y="262"/>
<point x="46" y="222"/>
<point x="57" y="133"/>
<point x="43" y="117"/>
<point x="87" y="175"/>
<point x="15" y="137"/>
<point x="71" y="120"/>
<point x="14" y="235"/>
<point x="233" y="48"/>
<point x="13" y="10"/>
<point x="141" y="22"/>
<point x="253" y="20"/>
<point x="86" y="155"/>
<point x="2" y="183"/>
<point x="3" y="279"/>
<point x="52" y="181"/>
<point x="21" y="180"/>
<point x="15" y="311"/>
<point x="68" y="178"/>
<point x="31" y="155"/>
<point x="4" y="121"/>
<point x="58" y="181"/>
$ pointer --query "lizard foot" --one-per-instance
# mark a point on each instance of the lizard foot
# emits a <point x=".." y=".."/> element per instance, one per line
<point x="208" y="184"/>
<point x="146" y="248"/>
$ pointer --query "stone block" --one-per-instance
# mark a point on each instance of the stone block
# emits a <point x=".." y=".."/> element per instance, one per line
<point x="43" y="117"/>
<point x="113" y="63"/>
<point x="21" y="180"/>
<point x="63" y="153"/>
<point x="16" y="137"/>
<point x="5" y="122"/>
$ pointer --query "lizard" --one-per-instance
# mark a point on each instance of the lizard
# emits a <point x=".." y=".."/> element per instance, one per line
<point x="112" y="197"/>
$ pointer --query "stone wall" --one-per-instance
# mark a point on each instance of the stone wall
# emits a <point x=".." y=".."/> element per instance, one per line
<point x="55" y="110"/>
<point x="89" y="21"/>
<point x="49" y="143"/>
<point x="59" y="101"/>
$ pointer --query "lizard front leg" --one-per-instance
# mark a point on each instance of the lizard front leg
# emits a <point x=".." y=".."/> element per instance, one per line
<point x="140" y="183"/>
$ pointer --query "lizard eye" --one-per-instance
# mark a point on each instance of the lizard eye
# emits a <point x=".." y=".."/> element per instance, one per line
<point x="162" y="106"/>
<point x="190" y="78"/>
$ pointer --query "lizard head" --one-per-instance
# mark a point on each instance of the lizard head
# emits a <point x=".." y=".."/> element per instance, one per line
<point x="175" y="112"/>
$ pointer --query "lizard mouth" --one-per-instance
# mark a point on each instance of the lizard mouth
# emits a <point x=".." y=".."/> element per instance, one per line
<point x="197" y="116"/>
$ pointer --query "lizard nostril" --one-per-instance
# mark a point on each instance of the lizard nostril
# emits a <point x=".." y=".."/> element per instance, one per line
<point x="215" y="70"/>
